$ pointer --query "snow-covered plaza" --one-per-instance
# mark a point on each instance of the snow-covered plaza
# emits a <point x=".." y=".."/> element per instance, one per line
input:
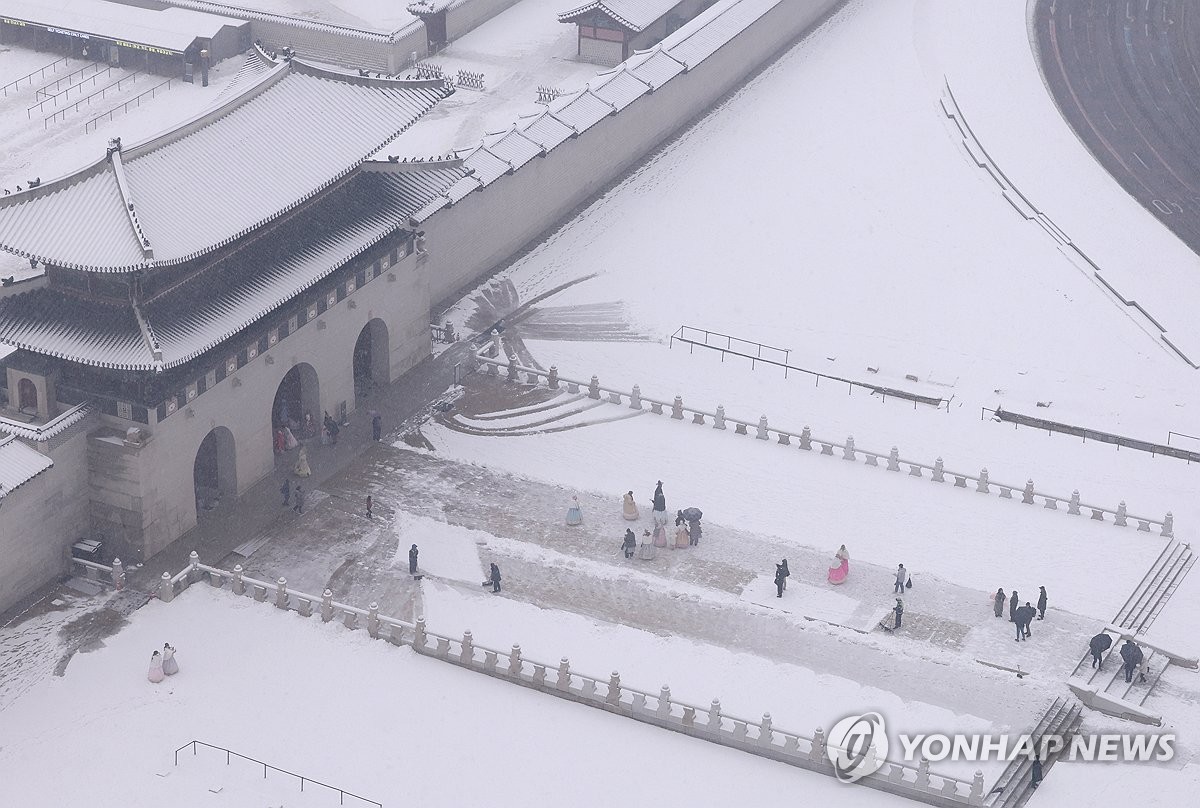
<point x="829" y="215"/>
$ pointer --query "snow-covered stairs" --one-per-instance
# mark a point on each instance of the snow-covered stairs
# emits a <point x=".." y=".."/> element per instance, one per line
<point x="1156" y="588"/>
<point x="1015" y="785"/>
<point x="565" y="411"/>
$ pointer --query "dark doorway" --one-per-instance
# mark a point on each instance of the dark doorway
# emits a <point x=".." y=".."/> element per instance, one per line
<point x="214" y="472"/>
<point x="371" y="358"/>
<point x="27" y="397"/>
<point x="435" y="29"/>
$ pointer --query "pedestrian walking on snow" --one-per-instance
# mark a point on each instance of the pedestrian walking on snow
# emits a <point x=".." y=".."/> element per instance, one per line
<point x="376" y="426"/>
<point x="412" y="559"/>
<point x="1041" y="604"/>
<point x="298" y="499"/>
<point x="630" y="543"/>
<point x="1012" y="607"/>
<point x="629" y="508"/>
<point x="659" y="500"/>
<point x="1035" y="772"/>
<point x="1024" y="617"/>
<point x="370" y="505"/>
<point x="1132" y="656"/>
<point x="998" y="602"/>
<point x="286" y="490"/>
<point x="495" y="579"/>
<point x="1098" y="645"/>
<point x="574" y="512"/>
<point x="787" y="573"/>
<point x="155" y="674"/>
<point x="169" y="666"/>
<point x="779" y="580"/>
<point x="901" y="579"/>
<point x="898" y="610"/>
<point x="646" y="550"/>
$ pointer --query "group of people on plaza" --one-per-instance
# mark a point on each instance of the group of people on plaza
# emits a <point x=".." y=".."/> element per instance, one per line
<point x="163" y="664"/>
<point x="688" y="530"/>
<point x="1020" y="616"/>
<point x="1133" y="659"/>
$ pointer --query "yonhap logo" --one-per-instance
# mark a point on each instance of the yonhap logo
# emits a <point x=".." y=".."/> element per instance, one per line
<point x="857" y="746"/>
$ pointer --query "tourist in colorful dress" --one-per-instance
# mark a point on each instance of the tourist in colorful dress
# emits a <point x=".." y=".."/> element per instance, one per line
<point x="660" y="535"/>
<point x="681" y="535"/>
<point x="646" y="548"/>
<point x="659" y="500"/>
<point x="156" y="670"/>
<point x="629" y="508"/>
<point x="574" y="513"/>
<point x="840" y="567"/>
<point x="169" y="666"/>
<point x="301" y="468"/>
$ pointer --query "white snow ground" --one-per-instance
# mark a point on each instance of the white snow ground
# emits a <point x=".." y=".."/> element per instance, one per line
<point x="357" y="714"/>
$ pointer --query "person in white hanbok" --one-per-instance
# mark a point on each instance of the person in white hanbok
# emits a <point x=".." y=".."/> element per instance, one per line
<point x="156" y="670"/>
<point x="301" y="468"/>
<point x="169" y="666"/>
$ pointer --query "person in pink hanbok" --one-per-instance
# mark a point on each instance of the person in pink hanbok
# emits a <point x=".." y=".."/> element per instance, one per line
<point x="840" y="567"/>
<point x="156" y="669"/>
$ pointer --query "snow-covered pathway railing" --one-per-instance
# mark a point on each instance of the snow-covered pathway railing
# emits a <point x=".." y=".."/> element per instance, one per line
<point x="709" y="722"/>
<point x="762" y="430"/>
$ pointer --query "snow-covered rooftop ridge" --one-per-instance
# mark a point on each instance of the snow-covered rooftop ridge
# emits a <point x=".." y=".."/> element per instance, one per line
<point x="172" y="28"/>
<point x="607" y="94"/>
<point x="298" y="22"/>
<point x="290" y="130"/>
<point x="19" y="464"/>
<point x="636" y="15"/>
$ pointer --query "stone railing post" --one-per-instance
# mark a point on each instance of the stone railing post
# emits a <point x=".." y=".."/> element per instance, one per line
<point x="1122" y="515"/>
<point x="373" y="620"/>
<point x="714" y="716"/>
<point x="239" y="583"/>
<point x="614" y="688"/>
<point x="939" y="471"/>
<point x="497" y="347"/>
<point x="166" y="589"/>
<point x="922" y="773"/>
<point x="635" y="398"/>
<point x="514" y="661"/>
<point x="976" y="795"/>
<point x="468" y="647"/>
<point x="194" y="572"/>
<point x="564" y="674"/>
<point x="817" y="753"/>
<point x="894" y="459"/>
<point x="806" y="438"/>
<point x="281" y="595"/>
<point x="118" y="574"/>
<point x="677" y="408"/>
<point x="1168" y="525"/>
<point x="719" y="419"/>
<point x="766" y="735"/>
<point x="982" y="485"/>
<point x="419" y="634"/>
<point x="512" y="370"/>
<point x="848" y="452"/>
<point x="594" y="388"/>
<point x="664" y="702"/>
<point x="1027" y="494"/>
<point x="762" y="428"/>
<point x="552" y="378"/>
<point x="326" y="605"/>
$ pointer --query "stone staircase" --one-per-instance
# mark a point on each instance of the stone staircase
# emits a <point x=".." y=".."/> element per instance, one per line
<point x="1104" y="687"/>
<point x="1015" y="785"/>
<point x="565" y="411"/>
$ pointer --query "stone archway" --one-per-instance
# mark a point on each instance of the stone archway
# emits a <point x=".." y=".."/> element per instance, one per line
<point x="372" y="358"/>
<point x="297" y="403"/>
<point x="214" y="471"/>
<point x="27" y="396"/>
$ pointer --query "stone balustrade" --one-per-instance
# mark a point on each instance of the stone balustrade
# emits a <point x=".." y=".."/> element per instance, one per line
<point x="805" y="440"/>
<point x="709" y="722"/>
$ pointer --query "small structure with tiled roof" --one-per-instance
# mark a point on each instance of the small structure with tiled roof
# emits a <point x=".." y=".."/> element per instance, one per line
<point x="611" y="30"/>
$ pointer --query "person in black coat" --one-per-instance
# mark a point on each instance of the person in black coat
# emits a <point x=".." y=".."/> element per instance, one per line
<point x="659" y="499"/>
<point x="412" y="560"/>
<point x="629" y="545"/>
<point x="1013" y="602"/>
<point x="495" y="578"/>
<point x="1025" y="616"/>
<point x="787" y="573"/>
<point x="779" y="579"/>
<point x="898" y="610"/>
<point x="1041" y="603"/>
<point x="1098" y="645"/>
<point x="998" y="602"/>
<point x="1132" y="656"/>
<point x="286" y="490"/>
<point x="1035" y="772"/>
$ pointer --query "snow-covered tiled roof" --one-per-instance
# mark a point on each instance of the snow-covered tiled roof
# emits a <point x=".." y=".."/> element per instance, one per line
<point x="243" y="288"/>
<point x="636" y="15"/>
<point x="169" y="28"/>
<point x="290" y="132"/>
<point x="19" y="464"/>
